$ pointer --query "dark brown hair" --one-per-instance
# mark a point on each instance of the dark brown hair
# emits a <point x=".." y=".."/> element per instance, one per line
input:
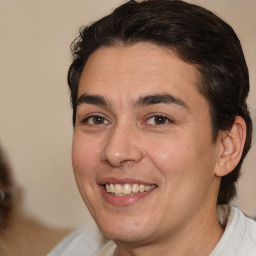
<point x="198" y="37"/>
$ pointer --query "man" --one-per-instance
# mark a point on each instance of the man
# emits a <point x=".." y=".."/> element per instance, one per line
<point x="161" y="128"/>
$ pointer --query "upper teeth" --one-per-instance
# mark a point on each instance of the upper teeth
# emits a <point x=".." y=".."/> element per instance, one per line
<point x="126" y="189"/>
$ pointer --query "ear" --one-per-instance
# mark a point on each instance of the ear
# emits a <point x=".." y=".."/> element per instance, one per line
<point x="231" y="147"/>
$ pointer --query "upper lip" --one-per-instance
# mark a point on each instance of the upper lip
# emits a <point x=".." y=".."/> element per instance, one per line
<point x="115" y="180"/>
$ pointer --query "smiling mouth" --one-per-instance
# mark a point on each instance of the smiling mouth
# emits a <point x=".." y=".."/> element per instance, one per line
<point x="127" y="189"/>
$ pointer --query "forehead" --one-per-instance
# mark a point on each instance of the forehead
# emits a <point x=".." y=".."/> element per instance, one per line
<point x="127" y="72"/>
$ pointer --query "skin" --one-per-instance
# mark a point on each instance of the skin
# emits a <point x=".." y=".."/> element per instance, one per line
<point x="126" y="141"/>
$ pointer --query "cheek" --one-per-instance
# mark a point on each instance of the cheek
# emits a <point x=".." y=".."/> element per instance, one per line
<point x="85" y="156"/>
<point x="168" y="153"/>
<point x="181" y="156"/>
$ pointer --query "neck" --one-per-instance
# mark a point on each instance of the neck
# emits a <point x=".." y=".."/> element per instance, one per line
<point x="199" y="237"/>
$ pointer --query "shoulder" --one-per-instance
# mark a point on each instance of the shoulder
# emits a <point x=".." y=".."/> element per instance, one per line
<point x="247" y="224"/>
<point x="250" y="232"/>
<point x="239" y="236"/>
<point x="84" y="241"/>
<point x="247" y="233"/>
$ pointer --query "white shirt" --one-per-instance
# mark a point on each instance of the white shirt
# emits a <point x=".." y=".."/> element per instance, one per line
<point x="238" y="239"/>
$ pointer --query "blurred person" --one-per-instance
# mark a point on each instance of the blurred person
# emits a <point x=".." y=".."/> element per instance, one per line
<point x="161" y="129"/>
<point x="6" y="199"/>
<point x="21" y="235"/>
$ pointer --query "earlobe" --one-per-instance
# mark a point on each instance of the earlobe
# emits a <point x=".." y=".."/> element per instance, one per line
<point x="231" y="147"/>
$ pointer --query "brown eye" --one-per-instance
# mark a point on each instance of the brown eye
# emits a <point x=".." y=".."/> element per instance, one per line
<point x="98" y="120"/>
<point x="95" y="120"/>
<point x="158" y="120"/>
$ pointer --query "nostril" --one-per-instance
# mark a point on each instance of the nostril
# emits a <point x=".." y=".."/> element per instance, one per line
<point x="121" y="147"/>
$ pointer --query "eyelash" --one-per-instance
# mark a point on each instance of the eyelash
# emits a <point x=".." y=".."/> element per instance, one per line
<point x="164" y="120"/>
<point x="86" y="120"/>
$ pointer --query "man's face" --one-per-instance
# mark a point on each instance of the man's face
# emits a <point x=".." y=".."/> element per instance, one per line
<point x="143" y="132"/>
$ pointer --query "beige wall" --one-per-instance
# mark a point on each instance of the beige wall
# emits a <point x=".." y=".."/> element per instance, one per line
<point x="35" y="116"/>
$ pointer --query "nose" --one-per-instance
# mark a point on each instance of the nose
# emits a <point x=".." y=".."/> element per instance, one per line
<point x="122" y="147"/>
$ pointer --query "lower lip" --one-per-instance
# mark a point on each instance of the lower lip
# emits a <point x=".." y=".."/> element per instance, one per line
<point x="124" y="200"/>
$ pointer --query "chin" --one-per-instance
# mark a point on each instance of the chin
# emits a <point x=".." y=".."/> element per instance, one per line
<point x="126" y="231"/>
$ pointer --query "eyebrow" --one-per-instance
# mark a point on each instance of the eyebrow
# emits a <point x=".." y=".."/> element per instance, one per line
<point x="159" y="99"/>
<point x="142" y="101"/>
<point x="92" y="99"/>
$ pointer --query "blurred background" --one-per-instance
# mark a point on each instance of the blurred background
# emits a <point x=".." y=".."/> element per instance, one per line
<point x="35" y="113"/>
